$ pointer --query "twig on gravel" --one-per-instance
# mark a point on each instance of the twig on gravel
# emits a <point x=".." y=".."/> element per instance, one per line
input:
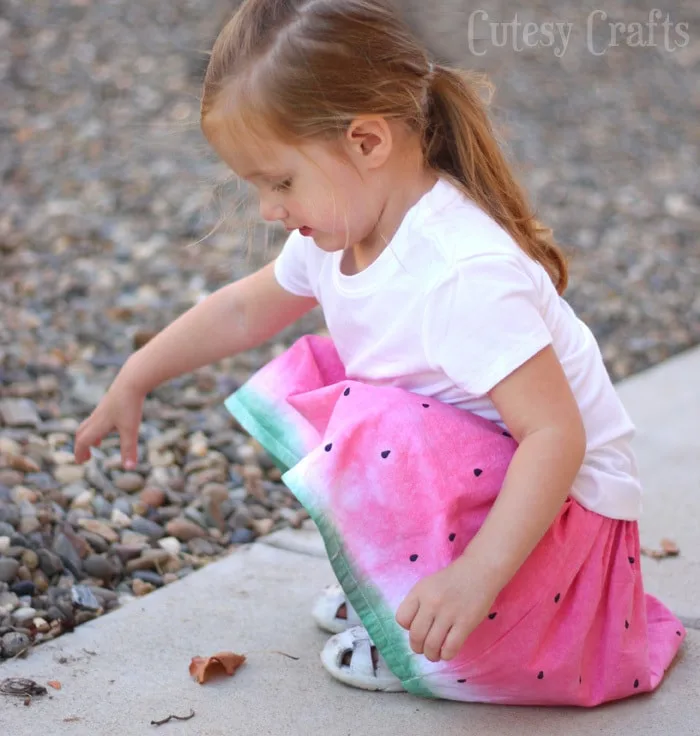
<point x="169" y="718"/>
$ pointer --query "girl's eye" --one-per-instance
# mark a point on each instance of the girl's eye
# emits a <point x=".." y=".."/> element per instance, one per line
<point x="283" y="186"/>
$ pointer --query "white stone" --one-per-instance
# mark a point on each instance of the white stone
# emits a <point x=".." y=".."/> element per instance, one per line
<point x="120" y="519"/>
<point x="171" y="545"/>
<point x="22" y="615"/>
<point x="83" y="500"/>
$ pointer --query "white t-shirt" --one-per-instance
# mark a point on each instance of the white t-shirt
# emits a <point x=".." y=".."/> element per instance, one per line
<point x="449" y="309"/>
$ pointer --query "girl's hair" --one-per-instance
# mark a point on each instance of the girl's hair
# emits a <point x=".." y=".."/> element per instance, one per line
<point x="303" y="69"/>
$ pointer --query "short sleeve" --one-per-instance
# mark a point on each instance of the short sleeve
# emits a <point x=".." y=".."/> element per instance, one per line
<point x="483" y="321"/>
<point x="292" y="266"/>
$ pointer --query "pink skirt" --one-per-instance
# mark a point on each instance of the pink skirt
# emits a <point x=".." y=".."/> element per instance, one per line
<point x="398" y="484"/>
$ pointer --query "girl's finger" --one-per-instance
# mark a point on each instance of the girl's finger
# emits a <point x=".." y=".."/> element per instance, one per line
<point x="89" y="435"/>
<point x="419" y="629"/>
<point x="129" y="447"/>
<point x="454" y="640"/>
<point x="435" y="638"/>
<point x="407" y="611"/>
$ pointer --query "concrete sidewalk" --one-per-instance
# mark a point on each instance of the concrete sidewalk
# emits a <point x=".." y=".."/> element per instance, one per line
<point x="123" y="670"/>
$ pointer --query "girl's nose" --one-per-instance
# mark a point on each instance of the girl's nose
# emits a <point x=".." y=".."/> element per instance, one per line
<point x="272" y="211"/>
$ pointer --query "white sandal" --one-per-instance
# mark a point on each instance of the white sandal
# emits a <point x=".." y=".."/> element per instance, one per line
<point x="360" y="672"/>
<point x="325" y="611"/>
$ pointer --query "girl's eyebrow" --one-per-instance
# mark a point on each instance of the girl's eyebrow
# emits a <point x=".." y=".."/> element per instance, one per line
<point x="266" y="176"/>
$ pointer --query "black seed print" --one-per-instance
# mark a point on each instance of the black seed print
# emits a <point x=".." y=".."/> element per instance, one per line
<point x="557" y="597"/>
<point x="452" y="537"/>
<point x="478" y="472"/>
<point x="627" y="624"/>
<point x="678" y="633"/>
<point x="636" y="684"/>
<point x="580" y="680"/>
<point x="541" y="675"/>
<point x="492" y="616"/>
<point x="328" y="447"/>
<point x="413" y="558"/>
<point x="461" y="680"/>
<point x="631" y="560"/>
<point x="385" y="454"/>
<point x="346" y="392"/>
<point x="507" y="434"/>
<point x="426" y="406"/>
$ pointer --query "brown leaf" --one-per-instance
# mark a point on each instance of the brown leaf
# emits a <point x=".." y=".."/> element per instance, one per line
<point x="204" y="668"/>
<point x="669" y="547"/>
<point x="55" y="684"/>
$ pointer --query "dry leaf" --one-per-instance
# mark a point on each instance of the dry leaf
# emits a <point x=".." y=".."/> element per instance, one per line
<point x="669" y="547"/>
<point x="55" y="684"/>
<point x="204" y="668"/>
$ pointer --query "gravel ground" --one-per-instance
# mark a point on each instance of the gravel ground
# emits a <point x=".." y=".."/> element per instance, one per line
<point x="108" y="194"/>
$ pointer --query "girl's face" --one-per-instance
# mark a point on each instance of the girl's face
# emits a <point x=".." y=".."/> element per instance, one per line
<point x="310" y="187"/>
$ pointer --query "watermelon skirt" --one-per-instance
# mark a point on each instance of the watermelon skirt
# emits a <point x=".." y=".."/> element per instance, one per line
<point x="398" y="484"/>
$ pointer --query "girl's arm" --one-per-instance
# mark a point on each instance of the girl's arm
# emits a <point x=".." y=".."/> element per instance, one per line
<point x="233" y="319"/>
<point x="539" y="409"/>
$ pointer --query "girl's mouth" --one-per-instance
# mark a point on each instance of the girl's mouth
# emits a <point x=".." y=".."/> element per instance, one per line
<point x="305" y="231"/>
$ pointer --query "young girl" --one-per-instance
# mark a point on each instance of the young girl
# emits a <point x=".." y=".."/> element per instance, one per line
<point x="439" y="289"/>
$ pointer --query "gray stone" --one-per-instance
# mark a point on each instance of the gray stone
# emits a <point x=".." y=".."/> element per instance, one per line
<point x="147" y="527"/>
<point x="98" y="567"/>
<point x="22" y="616"/>
<point x="202" y="547"/>
<point x="19" y="413"/>
<point x="97" y="479"/>
<point x="149" y="577"/>
<point x="13" y="643"/>
<point x="129" y="482"/>
<point x="123" y="504"/>
<point x="8" y="569"/>
<point x="49" y="563"/>
<point x="241" y="536"/>
<point x="68" y="554"/>
<point x="9" y="514"/>
<point x="83" y="597"/>
<point x="103" y="508"/>
<point x="98" y="543"/>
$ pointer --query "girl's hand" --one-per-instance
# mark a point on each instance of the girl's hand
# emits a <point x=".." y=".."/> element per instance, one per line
<point x="120" y="410"/>
<point x="443" y="609"/>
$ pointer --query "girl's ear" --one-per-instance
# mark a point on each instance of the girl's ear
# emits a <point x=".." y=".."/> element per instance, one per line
<point x="370" y="141"/>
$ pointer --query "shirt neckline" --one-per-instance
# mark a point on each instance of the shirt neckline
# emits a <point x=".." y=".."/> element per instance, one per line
<point x="391" y="257"/>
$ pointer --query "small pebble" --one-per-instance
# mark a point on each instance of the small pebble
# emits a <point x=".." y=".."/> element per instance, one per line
<point x="147" y="527"/>
<point x="129" y="482"/>
<point x="153" y="578"/>
<point x="24" y="587"/>
<point x="172" y="545"/>
<point x="8" y="569"/>
<point x="141" y="588"/>
<point x="13" y="643"/>
<point x="22" y="616"/>
<point x="153" y="497"/>
<point x="83" y="597"/>
<point x="184" y="530"/>
<point x="99" y="567"/>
